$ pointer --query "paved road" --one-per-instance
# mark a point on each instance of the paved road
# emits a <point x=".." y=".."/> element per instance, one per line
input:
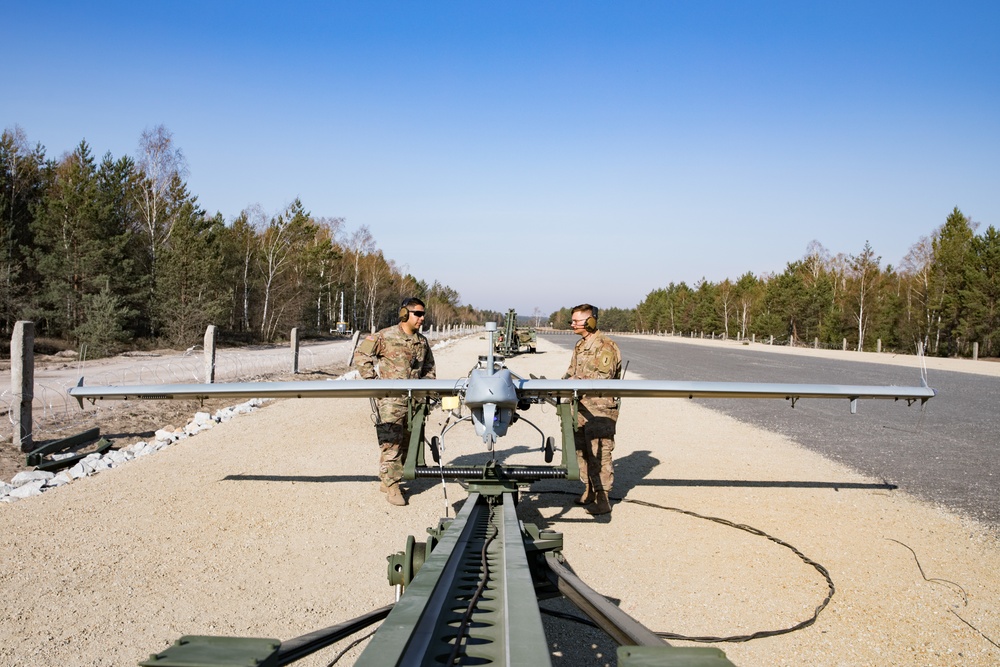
<point x="946" y="454"/>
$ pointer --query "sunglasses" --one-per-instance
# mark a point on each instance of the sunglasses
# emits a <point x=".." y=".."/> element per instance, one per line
<point x="417" y="313"/>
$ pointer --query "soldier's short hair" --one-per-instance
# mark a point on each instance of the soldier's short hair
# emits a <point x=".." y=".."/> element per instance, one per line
<point x="586" y="307"/>
<point x="412" y="301"/>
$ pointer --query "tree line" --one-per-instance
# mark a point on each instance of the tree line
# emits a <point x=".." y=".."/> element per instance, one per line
<point x="115" y="253"/>
<point x="944" y="296"/>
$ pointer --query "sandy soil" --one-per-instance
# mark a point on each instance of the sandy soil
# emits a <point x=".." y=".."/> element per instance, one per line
<point x="272" y="525"/>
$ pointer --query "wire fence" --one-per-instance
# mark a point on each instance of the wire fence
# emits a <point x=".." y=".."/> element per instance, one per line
<point x="53" y="407"/>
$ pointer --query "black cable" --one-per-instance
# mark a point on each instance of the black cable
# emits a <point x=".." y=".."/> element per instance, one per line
<point x="965" y="596"/>
<point x="347" y="648"/>
<point x="753" y="531"/>
<point x="463" y="626"/>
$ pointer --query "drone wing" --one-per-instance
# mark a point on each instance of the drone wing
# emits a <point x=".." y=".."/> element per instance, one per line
<point x="553" y="389"/>
<point x="305" y="389"/>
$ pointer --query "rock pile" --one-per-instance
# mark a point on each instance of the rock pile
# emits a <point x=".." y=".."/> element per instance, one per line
<point x="35" y="482"/>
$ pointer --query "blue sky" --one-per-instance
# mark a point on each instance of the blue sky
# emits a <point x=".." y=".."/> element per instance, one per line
<point x="541" y="154"/>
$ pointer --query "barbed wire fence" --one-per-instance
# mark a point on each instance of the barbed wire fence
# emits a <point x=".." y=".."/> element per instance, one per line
<point x="56" y="414"/>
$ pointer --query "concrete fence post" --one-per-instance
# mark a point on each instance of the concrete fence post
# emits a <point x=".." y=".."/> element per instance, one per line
<point x="878" y="345"/>
<point x="354" y="346"/>
<point x="816" y="343"/>
<point x="210" y="333"/>
<point x="975" y="351"/>
<point x="22" y="382"/>
<point x="845" y="345"/>
<point x="295" y="351"/>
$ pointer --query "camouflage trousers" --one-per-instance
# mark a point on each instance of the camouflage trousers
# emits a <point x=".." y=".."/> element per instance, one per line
<point x="394" y="442"/>
<point x="594" y="446"/>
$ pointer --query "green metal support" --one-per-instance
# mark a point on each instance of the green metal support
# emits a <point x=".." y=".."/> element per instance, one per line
<point x="423" y="626"/>
<point x="34" y="457"/>
<point x="672" y="656"/>
<point x="416" y="416"/>
<point x="202" y="651"/>
<point x="567" y="420"/>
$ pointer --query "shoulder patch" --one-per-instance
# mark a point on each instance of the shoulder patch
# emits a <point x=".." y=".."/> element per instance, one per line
<point x="605" y="360"/>
<point x="367" y="345"/>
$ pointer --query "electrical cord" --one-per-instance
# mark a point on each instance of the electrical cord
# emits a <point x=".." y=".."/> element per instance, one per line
<point x="965" y="596"/>
<point x="753" y="531"/>
<point x="347" y="648"/>
<point x="962" y="592"/>
<point x="463" y="627"/>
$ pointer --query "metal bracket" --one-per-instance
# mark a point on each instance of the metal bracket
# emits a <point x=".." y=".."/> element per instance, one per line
<point x="567" y="419"/>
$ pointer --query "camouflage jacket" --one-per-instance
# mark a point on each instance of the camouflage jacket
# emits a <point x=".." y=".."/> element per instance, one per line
<point x="595" y="357"/>
<point x="392" y="355"/>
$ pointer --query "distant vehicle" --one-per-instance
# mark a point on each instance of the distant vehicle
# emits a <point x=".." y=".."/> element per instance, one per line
<point x="513" y="338"/>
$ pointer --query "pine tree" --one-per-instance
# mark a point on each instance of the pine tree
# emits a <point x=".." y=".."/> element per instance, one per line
<point x="952" y="247"/>
<point x="980" y="297"/>
<point x="69" y="252"/>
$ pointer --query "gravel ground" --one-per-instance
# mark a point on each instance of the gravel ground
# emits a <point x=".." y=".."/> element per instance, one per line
<point x="272" y="526"/>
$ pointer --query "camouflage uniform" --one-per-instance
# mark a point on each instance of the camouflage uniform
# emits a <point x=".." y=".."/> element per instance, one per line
<point x="596" y="357"/>
<point x="399" y="357"/>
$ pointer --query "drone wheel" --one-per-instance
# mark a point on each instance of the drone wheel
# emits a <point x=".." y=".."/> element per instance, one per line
<point x="550" y="449"/>
<point x="436" y="449"/>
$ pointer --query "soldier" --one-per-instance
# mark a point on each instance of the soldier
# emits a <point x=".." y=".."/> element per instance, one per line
<point x="402" y="353"/>
<point x="595" y="357"/>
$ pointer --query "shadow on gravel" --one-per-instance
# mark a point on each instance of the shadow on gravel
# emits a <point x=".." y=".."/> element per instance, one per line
<point x="776" y="484"/>
<point x="322" y="479"/>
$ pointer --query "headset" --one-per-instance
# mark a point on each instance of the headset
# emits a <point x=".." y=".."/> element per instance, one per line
<point x="404" y="312"/>
<point x="591" y="322"/>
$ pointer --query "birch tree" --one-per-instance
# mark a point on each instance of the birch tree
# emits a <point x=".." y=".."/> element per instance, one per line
<point x="278" y="243"/>
<point x="375" y="275"/>
<point x="360" y="244"/>
<point x="159" y="162"/>
<point x="918" y="314"/>
<point x="865" y="276"/>
<point x="747" y="295"/>
<point x="725" y="295"/>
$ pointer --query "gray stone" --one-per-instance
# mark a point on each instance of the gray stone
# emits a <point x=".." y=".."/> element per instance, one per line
<point x="28" y="490"/>
<point x="27" y="476"/>
<point x="59" y="480"/>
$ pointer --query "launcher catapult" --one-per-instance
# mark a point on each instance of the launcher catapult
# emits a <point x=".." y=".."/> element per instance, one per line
<point x="469" y="594"/>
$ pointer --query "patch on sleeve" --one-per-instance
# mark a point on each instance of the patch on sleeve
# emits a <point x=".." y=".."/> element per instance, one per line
<point x="367" y="345"/>
<point x="605" y="361"/>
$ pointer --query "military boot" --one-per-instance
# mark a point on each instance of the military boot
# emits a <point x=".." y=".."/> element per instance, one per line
<point x="588" y="495"/>
<point x="394" y="495"/>
<point x="601" y="504"/>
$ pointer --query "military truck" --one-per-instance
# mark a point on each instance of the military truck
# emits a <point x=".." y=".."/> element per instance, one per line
<point x="511" y="339"/>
